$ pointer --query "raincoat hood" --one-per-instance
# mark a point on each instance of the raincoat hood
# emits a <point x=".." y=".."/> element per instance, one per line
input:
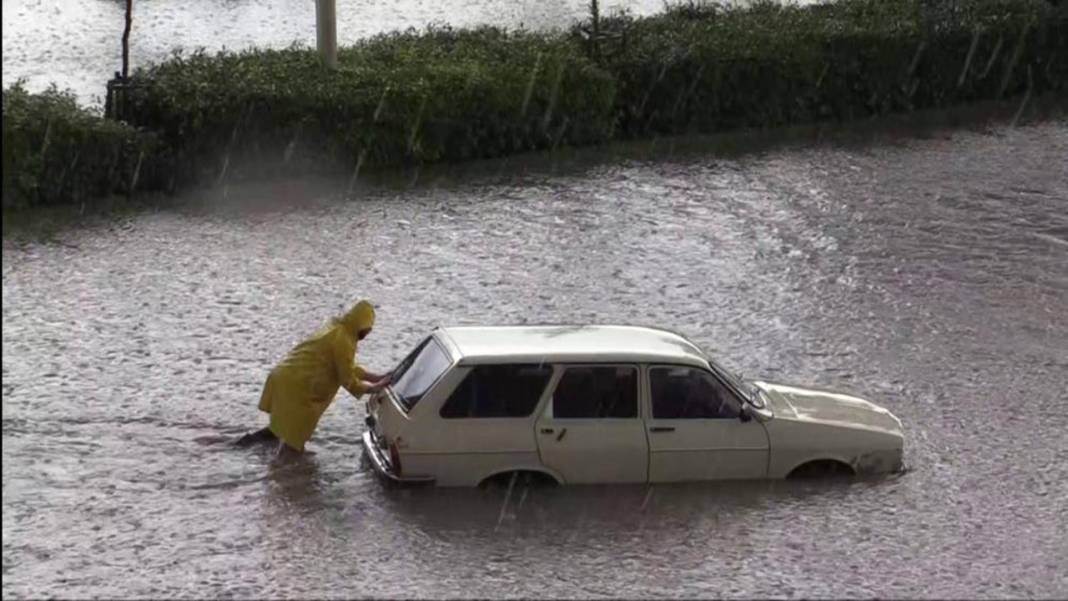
<point x="360" y="317"/>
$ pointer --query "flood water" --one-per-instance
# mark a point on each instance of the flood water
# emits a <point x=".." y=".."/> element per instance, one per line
<point x="928" y="273"/>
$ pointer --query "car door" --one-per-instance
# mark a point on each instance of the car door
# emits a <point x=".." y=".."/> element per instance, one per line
<point x="590" y="430"/>
<point x="485" y="424"/>
<point x="696" y="431"/>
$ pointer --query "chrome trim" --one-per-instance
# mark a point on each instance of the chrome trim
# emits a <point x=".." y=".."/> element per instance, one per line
<point x="381" y="463"/>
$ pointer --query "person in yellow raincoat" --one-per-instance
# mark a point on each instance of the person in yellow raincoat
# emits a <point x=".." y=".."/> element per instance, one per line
<point x="300" y="388"/>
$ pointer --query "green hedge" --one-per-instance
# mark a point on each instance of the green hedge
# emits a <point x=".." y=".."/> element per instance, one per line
<point x="56" y="152"/>
<point x="397" y="98"/>
<point x="704" y="68"/>
<point x="698" y="67"/>
<point x="448" y="95"/>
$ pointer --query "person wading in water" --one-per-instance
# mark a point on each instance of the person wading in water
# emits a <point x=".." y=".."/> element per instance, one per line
<point x="300" y="388"/>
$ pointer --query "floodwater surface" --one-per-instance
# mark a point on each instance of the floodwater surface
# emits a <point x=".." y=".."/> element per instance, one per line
<point x="927" y="274"/>
<point x="930" y="275"/>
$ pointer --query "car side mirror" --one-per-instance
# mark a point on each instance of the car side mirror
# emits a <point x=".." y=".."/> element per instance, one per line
<point x="744" y="415"/>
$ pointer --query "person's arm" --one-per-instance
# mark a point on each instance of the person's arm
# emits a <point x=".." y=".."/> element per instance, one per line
<point x="378" y="381"/>
<point x="374" y="377"/>
<point x="349" y="373"/>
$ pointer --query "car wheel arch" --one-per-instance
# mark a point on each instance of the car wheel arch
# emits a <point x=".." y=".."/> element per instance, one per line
<point x="825" y="465"/>
<point x="503" y="475"/>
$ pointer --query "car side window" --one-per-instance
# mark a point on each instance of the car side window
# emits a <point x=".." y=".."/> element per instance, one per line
<point x="498" y="391"/>
<point x="607" y="391"/>
<point x="689" y="393"/>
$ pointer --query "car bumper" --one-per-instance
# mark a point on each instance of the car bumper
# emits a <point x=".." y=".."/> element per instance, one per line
<point x="381" y="462"/>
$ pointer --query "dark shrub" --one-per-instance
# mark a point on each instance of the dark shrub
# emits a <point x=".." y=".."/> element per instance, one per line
<point x="57" y="152"/>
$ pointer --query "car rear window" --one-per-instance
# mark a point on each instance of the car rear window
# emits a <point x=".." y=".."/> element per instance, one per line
<point x="418" y="372"/>
<point x="598" y="392"/>
<point x="498" y="391"/>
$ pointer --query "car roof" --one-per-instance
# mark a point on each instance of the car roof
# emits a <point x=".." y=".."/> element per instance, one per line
<point x="570" y="344"/>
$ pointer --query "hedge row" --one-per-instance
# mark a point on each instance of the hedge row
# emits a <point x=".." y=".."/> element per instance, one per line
<point x="447" y="95"/>
<point x="705" y="68"/>
<point x="404" y="97"/>
<point x="56" y="152"/>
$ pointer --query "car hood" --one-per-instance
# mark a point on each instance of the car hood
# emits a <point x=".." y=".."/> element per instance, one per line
<point x="807" y="404"/>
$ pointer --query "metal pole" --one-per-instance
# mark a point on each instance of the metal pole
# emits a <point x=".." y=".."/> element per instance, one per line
<point x="126" y="41"/>
<point x="595" y="36"/>
<point x="326" y="31"/>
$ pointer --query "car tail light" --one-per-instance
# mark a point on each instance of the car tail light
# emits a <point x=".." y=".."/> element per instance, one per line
<point x="394" y="457"/>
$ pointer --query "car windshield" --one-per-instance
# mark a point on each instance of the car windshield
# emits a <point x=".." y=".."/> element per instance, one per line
<point x="418" y="372"/>
<point x="751" y="393"/>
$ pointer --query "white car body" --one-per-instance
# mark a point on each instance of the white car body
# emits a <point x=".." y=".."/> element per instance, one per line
<point x="777" y="429"/>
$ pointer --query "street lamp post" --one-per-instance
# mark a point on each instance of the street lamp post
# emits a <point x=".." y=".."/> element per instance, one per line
<point x="326" y="31"/>
<point x="126" y="41"/>
<point x="115" y="101"/>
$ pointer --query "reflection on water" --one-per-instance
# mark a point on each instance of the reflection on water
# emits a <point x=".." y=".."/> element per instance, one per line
<point x="928" y="275"/>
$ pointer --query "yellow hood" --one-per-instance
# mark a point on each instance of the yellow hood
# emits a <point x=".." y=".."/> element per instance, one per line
<point x="360" y="317"/>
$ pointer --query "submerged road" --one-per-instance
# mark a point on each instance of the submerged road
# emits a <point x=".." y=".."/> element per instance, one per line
<point x="929" y="274"/>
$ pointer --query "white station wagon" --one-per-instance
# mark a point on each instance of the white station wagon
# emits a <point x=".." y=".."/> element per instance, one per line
<point x="607" y="404"/>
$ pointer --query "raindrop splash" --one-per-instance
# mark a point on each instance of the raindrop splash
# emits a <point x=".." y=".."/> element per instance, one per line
<point x="648" y="497"/>
<point x="530" y="85"/>
<point x="553" y="96"/>
<point x="47" y="138"/>
<point x="415" y="175"/>
<point x="823" y="74"/>
<point x="560" y="132"/>
<point x="649" y="90"/>
<point x="968" y="60"/>
<point x="912" y="89"/>
<point x="137" y="170"/>
<point x="993" y="57"/>
<point x="416" y="125"/>
<point x="381" y="105"/>
<point x="225" y="168"/>
<point x="696" y="80"/>
<point x="356" y="170"/>
<point x="507" y="497"/>
<point x="916" y="57"/>
<point x="1014" y="60"/>
<point x="523" y="497"/>
<point x="292" y="143"/>
<point x="1026" y="98"/>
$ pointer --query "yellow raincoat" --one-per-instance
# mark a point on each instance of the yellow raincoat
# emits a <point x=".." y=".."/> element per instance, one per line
<point x="302" y="386"/>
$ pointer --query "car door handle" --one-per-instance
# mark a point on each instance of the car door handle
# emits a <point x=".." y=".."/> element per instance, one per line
<point x="662" y="429"/>
<point x="546" y="430"/>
